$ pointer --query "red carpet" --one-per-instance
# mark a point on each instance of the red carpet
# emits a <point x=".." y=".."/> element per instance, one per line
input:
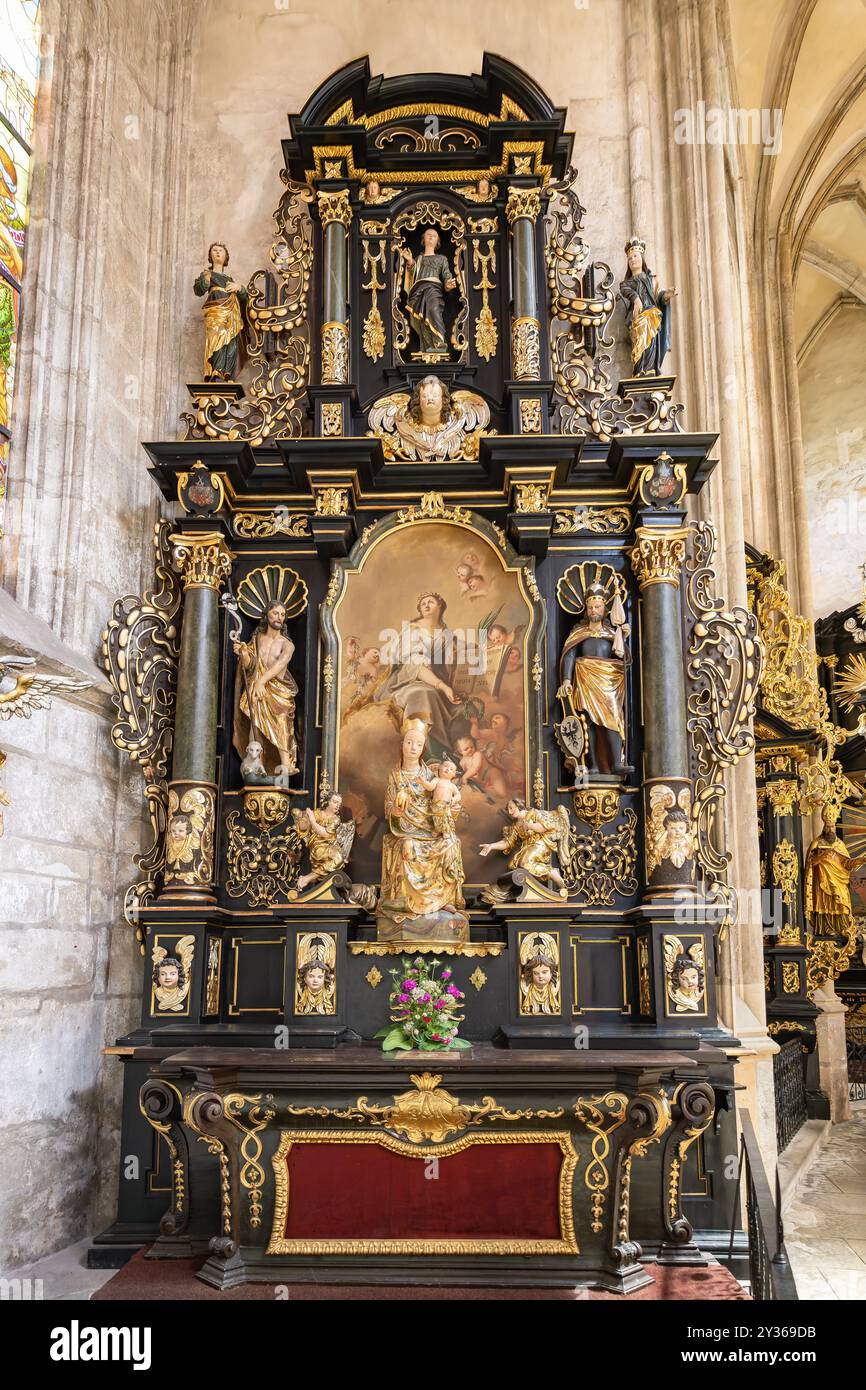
<point x="175" y="1279"/>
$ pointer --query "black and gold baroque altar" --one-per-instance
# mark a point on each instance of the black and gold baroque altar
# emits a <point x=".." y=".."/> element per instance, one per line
<point x="432" y="669"/>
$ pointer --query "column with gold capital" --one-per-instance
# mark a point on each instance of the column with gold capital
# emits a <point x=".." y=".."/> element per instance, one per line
<point x="522" y="210"/>
<point x="204" y="561"/>
<point x="336" y="216"/>
<point x="657" y="560"/>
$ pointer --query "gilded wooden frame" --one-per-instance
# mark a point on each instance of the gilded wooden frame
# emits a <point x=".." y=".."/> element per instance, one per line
<point x="281" y="1245"/>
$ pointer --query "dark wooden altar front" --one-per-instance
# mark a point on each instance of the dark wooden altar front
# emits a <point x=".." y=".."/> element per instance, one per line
<point x="499" y="1168"/>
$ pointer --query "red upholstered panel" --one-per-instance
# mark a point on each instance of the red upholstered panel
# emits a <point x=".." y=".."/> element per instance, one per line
<point x="364" y="1191"/>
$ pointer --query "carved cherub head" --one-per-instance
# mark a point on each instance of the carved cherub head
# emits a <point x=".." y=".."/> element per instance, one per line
<point x="430" y="402"/>
<point x="169" y="973"/>
<point x="687" y="977"/>
<point x="315" y="976"/>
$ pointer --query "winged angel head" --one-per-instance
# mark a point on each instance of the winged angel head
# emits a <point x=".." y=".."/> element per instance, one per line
<point x="172" y="974"/>
<point x="433" y="423"/>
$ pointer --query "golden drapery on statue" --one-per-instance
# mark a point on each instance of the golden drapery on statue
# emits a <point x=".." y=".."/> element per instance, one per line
<point x="829" y="867"/>
<point x="533" y="841"/>
<point x="223" y="324"/>
<point x="272" y="714"/>
<point x="598" y="687"/>
<point x="422" y="866"/>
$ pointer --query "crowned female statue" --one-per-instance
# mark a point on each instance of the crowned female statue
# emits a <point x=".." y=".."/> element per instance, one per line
<point x="223" y="316"/>
<point x="422" y="865"/>
<point x="649" y="312"/>
<point x="426" y="280"/>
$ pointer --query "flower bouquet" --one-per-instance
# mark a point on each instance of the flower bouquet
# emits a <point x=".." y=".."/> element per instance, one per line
<point x="423" y="1009"/>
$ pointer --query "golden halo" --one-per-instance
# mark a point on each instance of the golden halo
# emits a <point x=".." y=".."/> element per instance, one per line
<point x="572" y="588"/>
<point x="272" y="584"/>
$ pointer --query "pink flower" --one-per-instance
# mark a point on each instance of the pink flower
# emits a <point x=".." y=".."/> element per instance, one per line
<point x="453" y="991"/>
<point x="440" y="1003"/>
<point x="446" y="974"/>
<point x="425" y="998"/>
<point x="408" y="984"/>
<point x="404" y="998"/>
<point x="436" y="1038"/>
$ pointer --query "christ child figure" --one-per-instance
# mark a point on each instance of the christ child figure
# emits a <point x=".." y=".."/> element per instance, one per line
<point x="446" y="794"/>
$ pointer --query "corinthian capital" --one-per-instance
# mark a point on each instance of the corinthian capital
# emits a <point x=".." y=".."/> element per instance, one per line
<point x="203" y="558"/>
<point x="334" y="207"/>
<point x="657" y="557"/>
<point x="522" y="202"/>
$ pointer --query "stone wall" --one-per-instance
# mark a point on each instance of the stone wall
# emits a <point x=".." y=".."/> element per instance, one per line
<point x="97" y="373"/>
<point x="832" y="391"/>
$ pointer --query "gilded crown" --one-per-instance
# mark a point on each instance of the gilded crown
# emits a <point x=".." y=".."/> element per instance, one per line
<point x="635" y="243"/>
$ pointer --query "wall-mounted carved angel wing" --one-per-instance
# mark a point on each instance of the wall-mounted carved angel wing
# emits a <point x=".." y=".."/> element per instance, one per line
<point x="22" y="690"/>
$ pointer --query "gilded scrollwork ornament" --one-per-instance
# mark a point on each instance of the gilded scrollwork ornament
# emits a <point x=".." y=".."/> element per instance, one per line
<point x="373" y="338"/>
<point x="426" y="1114"/>
<point x="598" y="521"/>
<point x="602" y="1115"/>
<point x="140" y="652"/>
<point x="335" y="353"/>
<point x="250" y="1114"/>
<point x="786" y="871"/>
<point x="261" y="864"/>
<point x="263" y="525"/>
<point x="486" y="331"/>
<point x="526" y="348"/>
<point x="582" y="302"/>
<point x="603" y="863"/>
<point x="724" y="670"/>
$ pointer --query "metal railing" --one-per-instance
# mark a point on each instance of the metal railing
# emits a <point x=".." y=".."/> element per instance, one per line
<point x="789" y="1084"/>
<point x="770" y="1274"/>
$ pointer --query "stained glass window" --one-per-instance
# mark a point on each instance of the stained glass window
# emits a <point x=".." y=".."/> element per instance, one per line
<point x="19" y="71"/>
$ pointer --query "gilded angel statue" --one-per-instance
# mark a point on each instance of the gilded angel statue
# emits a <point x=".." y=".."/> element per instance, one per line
<point x="172" y="975"/>
<point x="22" y="690"/>
<point x="534" y="840"/>
<point x="328" y="838"/>
<point x="432" y="424"/>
